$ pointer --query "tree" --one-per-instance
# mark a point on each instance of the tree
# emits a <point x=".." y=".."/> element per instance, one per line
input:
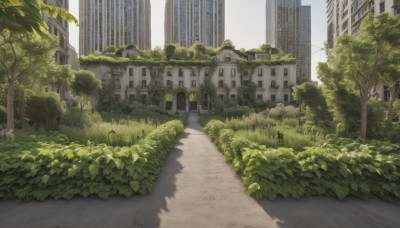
<point x="20" y="55"/>
<point x="24" y="16"/>
<point x="85" y="85"/>
<point x="311" y="97"/>
<point x="169" y="50"/>
<point x="58" y="76"/>
<point x="360" y="59"/>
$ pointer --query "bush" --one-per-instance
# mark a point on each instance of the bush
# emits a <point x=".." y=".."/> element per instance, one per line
<point x="45" y="110"/>
<point x="75" y="119"/>
<point x="61" y="170"/>
<point x="281" y="112"/>
<point x="3" y="115"/>
<point x="318" y="171"/>
<point x="236" y="111"/>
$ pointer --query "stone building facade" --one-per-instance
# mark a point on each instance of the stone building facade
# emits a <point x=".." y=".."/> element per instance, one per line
<point x="180" y="82"/>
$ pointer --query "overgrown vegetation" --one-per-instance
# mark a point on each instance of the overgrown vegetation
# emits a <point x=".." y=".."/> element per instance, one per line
<point x="52" y="167"/>
<point x="337" y="170"/>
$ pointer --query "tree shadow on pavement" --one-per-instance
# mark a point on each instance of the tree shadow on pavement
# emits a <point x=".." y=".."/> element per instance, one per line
<point x="121" y="212"/>
<point x="329" y="212"/>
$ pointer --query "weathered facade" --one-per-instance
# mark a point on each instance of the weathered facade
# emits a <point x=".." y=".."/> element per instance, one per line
<point x="199" y="85"/>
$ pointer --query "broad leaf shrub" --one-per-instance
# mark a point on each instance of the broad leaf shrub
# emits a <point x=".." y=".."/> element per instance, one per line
<point x="61" y="170"/>
<point x="337" y="170"/>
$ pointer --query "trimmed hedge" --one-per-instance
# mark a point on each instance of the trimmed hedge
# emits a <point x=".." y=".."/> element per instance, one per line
<point x="316" y="171"/>
<point x="59" y="170"/>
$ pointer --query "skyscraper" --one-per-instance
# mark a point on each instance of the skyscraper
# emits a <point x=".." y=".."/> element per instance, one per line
<point x="345" y="16"/>
<point x="191" y="21"/>
<point x="305" y="43"/>
<point x="59" y="27"/>
<point x="289" y="29"/>
<point x="105" y="23"/>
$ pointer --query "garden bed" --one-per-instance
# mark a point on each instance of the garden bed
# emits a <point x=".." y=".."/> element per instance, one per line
<point x="52" y="167"/>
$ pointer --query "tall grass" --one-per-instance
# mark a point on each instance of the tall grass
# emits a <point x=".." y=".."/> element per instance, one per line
<point x="250" y="122"/>
<point x="121" y="133"/>
<point x="269" y="137"/>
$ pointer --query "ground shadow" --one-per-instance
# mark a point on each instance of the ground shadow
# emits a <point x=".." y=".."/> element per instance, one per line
<point x="329" y="212"/>
<point x="137" y="211"/>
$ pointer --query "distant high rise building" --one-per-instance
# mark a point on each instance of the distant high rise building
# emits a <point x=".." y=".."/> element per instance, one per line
<point x="287" y="30"/>
<point x="345" y="16"/>
<point x="105" y="23"/>
<point x="191" y="21"/>
<point x="59" y="27"/>
<point x="305" y="43"/>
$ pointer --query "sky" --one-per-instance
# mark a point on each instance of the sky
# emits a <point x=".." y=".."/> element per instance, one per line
<point x="244" y="25"/>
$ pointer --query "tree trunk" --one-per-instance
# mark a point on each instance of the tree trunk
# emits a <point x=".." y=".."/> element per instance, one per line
<point x="393" y="95"/>
<point x="364" y="120"/>
<point x="10" y="105"/>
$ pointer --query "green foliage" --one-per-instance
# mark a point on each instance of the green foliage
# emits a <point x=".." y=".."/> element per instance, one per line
<point x="281" y="112"/>
<point x="236" y="111"/>
<point x="45" y="110"/>
<point x="338" y="169"/>
<point x="121" y="133"/>
<point x="85" y="83"/>
<point x="51" y="167"/>
<point x="311" y="98"/>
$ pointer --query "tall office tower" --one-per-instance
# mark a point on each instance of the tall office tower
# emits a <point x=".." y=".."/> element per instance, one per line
<point x="191" y="21"/>
<point x="284" y="31"/>
<point x="345" y="16"/>
<point x="59" y="27"/>
<point x="105" y="23"/>
<point x="305" y="43"/>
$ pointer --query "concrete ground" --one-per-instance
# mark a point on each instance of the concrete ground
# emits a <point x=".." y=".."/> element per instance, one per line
<point x="196" y="188"/>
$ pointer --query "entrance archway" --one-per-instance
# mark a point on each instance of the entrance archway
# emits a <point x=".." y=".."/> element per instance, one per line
<point x="181" y="102"/>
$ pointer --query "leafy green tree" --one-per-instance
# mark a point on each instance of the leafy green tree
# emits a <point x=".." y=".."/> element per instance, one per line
<point x="227" y="43"/>
<point x="24" y="16"/>
<point x="85" y="85"/>
<point x="58" y="76"/>
<point x="169" y="50"/>
<point x="360" y="59"/>
<point x="311" y="97"/>
<point x="45" y="110"/>
<point x="20" y="56"/>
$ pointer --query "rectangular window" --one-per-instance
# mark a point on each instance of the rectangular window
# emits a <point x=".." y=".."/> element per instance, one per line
<point x="194" y="83"/>
<point x="220" y="84"/>
<point x="228" y="59"/>
<point x="382" y="7"/>
<point x="131" y="72"/>
<point x="260" y="72"/>
<point x="259" y="97"/>
<point x="169" y="83"/>
<point x="180" y="72"/>
<point x="130" y="84"/>
<point x="273" y="97"/>
<point x="285" y="72"/>
<point x="180" y="83"/>
<point x="273" y="71"/>
<point x="286" y="98"/>
<point x="144" y="72"/>
<point x="169" y="74"/>
<point x="233" y="72"/>
<point x="260" y="84"/>
<point x="286" y="84"/>
<point x="193" y="72"/>
<point x="206" y="71"/>
<point x="273" y="84"/>
<point x="144" y="84"/>
<point x="233" y="84"/>
<point x="221" y="72"/>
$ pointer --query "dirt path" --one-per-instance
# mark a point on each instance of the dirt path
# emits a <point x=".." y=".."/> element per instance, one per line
<point x="198" y="189"/>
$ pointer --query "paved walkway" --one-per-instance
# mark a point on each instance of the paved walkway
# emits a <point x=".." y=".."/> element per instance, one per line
<point x="198" y="189"/>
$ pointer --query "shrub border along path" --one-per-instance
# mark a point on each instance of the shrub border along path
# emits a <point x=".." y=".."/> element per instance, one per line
<point x="63" y="171"/>
<point x="268" y="173"/>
